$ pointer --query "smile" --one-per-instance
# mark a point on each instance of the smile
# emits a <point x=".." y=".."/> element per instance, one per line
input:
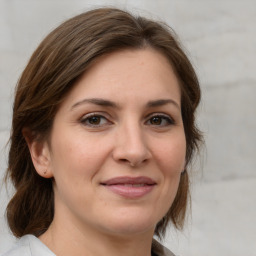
<point x="130" y="187"/>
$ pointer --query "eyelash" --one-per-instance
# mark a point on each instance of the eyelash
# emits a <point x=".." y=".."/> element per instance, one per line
<point x="169" y="121"/>
<point x="93" y="115"/>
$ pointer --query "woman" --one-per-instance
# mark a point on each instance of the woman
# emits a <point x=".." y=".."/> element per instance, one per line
<point x="102" y="135"/>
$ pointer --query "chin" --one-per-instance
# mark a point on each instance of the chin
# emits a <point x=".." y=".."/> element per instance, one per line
<point x="132" y="224"/>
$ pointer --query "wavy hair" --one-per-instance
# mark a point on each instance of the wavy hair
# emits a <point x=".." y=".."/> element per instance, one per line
<point x="52" y="71"/>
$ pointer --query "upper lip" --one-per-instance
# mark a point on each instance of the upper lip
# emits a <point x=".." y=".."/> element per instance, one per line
<point x="129" y="180"/>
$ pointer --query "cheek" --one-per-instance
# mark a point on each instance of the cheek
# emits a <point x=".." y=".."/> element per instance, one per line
<point x="171" y="156"/>
<point x="172" y="164"/>
<point x="171" y="161"/>
<point x="74" y="165"/>
<point x="76" y="157"/>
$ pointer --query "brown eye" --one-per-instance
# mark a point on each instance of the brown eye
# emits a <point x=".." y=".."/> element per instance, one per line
<point x="156" y="120"/>
<point x="160" y="120"/>
<point x="94" y="120"/>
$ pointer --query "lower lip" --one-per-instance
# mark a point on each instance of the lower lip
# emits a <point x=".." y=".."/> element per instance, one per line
<point x="129" y="191"/>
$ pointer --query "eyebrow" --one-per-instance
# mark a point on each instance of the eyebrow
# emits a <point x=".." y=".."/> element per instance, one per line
<point x="96" y="101"/>
<point x="108" y="103"/>
<point x="162" y="102"/>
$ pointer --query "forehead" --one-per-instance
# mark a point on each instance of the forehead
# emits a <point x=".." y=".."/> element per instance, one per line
<point x="143" y="74"/>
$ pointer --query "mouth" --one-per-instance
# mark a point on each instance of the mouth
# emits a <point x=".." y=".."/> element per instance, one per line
<point x="130" y="187"/>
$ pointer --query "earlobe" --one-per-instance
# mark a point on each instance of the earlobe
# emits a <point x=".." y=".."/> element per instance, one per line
<point x="40" y="154"/>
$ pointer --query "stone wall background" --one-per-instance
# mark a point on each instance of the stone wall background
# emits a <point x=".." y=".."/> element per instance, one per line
<point x="220" y="37"/>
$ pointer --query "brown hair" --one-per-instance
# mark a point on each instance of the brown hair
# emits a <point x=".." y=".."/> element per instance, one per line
<point x="62" y="57"/>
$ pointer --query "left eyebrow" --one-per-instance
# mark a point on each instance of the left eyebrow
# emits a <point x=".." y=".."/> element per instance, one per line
<point x="162" y="102"/>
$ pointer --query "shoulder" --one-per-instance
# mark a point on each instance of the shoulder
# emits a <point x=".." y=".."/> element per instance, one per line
<point x="159" y="250"/>
<point x="29" y="245"/>
<point x="21" y="248"/>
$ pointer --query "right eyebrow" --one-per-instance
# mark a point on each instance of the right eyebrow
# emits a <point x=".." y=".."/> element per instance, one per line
<point x="95" y="101"/>
<point x="162" y="102"/>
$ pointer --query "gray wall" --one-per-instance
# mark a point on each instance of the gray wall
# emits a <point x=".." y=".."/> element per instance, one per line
<point x="220" y="37"/>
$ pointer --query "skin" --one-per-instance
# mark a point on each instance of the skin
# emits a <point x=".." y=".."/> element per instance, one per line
<point x="91" y="142"/>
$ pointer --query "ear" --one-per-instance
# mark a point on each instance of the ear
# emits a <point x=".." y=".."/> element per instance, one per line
<point x="40" y="153"/>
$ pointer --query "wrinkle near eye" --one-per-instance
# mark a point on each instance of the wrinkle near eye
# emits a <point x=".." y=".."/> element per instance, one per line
<point x="94" y="120"/>
<point x="160" y="120"/>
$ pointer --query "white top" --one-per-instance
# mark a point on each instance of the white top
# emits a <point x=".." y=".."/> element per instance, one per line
<point x="30" y="245"/>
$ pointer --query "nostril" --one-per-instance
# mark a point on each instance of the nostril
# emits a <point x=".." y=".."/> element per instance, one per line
<point x="125" y="161"/>
<point x="132" y="163"/>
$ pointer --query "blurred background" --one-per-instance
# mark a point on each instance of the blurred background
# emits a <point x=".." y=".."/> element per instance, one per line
<point x="220" y="39"/>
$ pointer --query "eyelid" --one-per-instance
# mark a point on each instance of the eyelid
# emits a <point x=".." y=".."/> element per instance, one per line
<point x="167" y="117"/>
<point x="96" y="113"/>
<point x="104" y="115"/>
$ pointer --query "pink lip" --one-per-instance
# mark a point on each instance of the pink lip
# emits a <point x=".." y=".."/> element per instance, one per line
<point x="130" y="187"/>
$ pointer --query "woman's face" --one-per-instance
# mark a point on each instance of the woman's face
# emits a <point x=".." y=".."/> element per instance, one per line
<point x="117" y="146"/>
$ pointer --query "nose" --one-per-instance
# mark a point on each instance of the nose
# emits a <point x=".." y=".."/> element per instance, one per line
<point x="131" y="145"/>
